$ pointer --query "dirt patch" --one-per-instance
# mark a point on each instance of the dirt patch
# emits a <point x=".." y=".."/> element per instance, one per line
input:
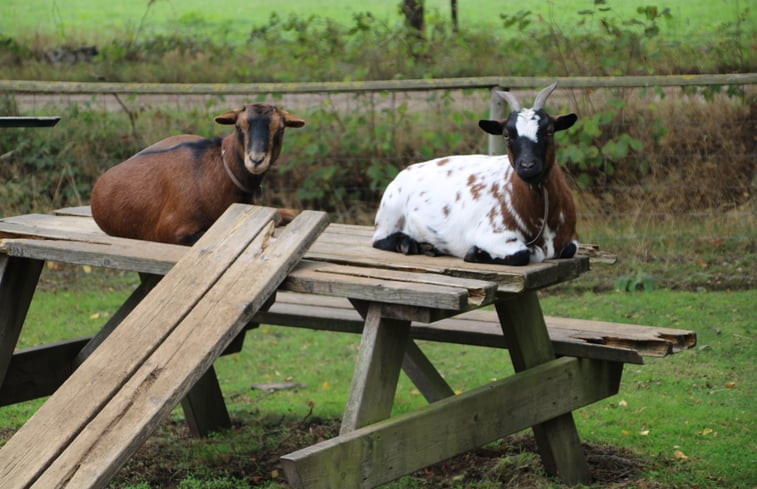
<point x="172" y="454"/>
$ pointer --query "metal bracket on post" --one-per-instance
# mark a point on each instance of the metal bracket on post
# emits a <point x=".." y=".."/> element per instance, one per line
<point x="496" y="112"/>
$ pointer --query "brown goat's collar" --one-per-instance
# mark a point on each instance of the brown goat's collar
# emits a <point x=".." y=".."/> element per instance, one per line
<point x="234" y="179"/>
<point x="546" y="214"/>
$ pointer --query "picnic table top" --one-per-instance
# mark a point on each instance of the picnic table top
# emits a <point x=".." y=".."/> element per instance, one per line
<point x="341" y="262"/>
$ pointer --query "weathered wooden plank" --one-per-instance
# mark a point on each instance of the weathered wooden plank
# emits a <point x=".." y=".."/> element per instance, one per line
<point x="22" y="459"/>
<point x="386" y="450"/>
<point x="120" y="426"/>
<point x="122" y="254"/>
<point x="424" y="375"/>
<point x="649" y="340"/>
<point x="51" y="226"/>
<point x="462" y="83"/>
<point x="308" y="277"/>
<point x="18" y="279"/>
<point x="479" y="292"/>
<point x="377" y="369"/>
<point x="82" y="211"/>
<point x="526" y="334"/>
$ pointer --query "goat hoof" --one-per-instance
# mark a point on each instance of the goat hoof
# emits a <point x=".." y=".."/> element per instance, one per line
<point x="477" y="255"/>
<point x="428" y="249"/>
<point x="569" y="250"/>
<point x="518" y="259"/>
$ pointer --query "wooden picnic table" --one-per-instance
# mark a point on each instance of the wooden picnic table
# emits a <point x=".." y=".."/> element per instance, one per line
<point x="393" y="294"/>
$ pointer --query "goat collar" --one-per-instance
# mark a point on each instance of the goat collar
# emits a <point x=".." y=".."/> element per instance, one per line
<point x="234" y="179"/>
<point x="546" y="214"/>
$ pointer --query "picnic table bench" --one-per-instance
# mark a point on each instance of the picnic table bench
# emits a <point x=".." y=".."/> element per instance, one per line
<point x="328" y="279"/>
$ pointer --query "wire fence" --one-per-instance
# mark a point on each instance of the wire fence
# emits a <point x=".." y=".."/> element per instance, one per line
<point x="471" y="95"/>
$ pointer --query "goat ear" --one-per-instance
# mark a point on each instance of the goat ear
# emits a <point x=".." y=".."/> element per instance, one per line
<point x="228" y="119"/>
<point x="292" y="120"/>
<point x="492" y="127"/>
<point x="565" y="121"/>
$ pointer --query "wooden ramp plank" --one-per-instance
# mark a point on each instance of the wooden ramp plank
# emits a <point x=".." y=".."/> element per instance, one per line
<point x="23" y="458"/>
<point x="120" y="427"/>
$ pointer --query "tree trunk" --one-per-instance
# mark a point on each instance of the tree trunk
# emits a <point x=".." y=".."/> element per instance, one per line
<point x="413" y="12"/>
<point x="453" y="8"/>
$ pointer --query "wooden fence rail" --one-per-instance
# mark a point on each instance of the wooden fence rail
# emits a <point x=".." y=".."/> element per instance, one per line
<point x="33" y="86"/>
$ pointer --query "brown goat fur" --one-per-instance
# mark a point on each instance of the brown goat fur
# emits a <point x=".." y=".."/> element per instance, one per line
<point x="175" y="189"/>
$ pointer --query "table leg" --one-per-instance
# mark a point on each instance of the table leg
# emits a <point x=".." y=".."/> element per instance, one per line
<point x="377" y="370"/>
<point x="526" y="334"/>
<point x="18" y="280"/>
<point x="424" y="375"/>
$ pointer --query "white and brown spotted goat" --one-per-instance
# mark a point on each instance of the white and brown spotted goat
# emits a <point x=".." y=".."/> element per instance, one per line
<point x="175" y="189"/>
<point x="508" y="209"/>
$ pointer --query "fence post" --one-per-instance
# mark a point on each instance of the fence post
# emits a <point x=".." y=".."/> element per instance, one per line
<point x="496" y="112"/>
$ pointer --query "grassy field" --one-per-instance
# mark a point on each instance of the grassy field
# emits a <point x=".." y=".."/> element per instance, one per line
<point x="684" y="421"/>
<point x="97" y="20"/>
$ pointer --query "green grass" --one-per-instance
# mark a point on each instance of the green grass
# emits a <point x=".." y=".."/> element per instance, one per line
<point x="97" y="20"/>
<point x="689" y="416"/>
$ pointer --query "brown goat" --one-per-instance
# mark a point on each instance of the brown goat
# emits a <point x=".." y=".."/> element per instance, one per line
<point x="175" y="189"/>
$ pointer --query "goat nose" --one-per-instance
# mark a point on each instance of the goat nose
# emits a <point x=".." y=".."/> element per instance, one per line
<point x="257" y="158"/>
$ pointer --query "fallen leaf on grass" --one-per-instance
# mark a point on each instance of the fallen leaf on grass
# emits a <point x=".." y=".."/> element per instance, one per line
<point x="679" y="455"/>
<point x="730" y="385"/>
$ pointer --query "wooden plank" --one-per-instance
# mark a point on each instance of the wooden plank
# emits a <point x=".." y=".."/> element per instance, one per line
<point x="122" y="254"/>
<point x="462" y="83"/>
<point x="18" y="280"/>
<point x="120" y="427"/>
<point x="424" y="375"/>
<point x="51" y="226"/>
<point x="526" y="334"/>
<point x="377" y="368"/>
<point x="649" y="340"/>
<point x="478" y="292"/>
<point x="308" y="277"/>
<point x="386" y="450"/>
<point x="22" y="459"/>
<point x="82" y="211"/>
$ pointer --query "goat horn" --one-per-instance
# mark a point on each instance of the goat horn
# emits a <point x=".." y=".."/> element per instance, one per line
<point x="541" y="98"/>
<point x="510" y="99"/>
